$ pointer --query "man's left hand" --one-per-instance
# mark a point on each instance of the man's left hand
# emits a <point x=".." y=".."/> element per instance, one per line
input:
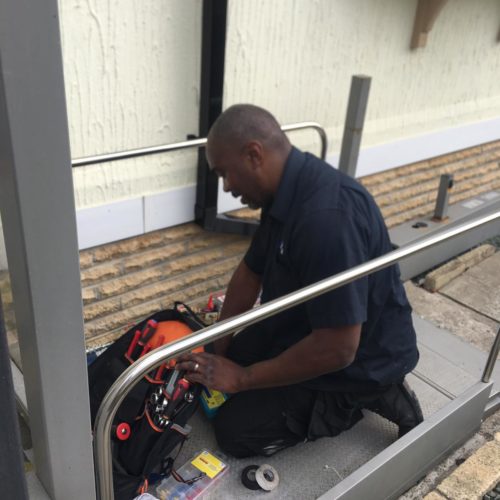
<point x="214" y="372"/>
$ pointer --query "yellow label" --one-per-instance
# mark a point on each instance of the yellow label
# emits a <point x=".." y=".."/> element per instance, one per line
<point x="208" y="463"/>
<point x="215" y="400"/>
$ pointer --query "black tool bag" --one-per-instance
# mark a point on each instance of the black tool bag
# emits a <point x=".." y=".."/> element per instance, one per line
<point x="150" y="425"/>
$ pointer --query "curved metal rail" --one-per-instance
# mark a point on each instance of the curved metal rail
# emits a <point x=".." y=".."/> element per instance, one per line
<point x="193" y="143"/>
<point x="136" y="371"/>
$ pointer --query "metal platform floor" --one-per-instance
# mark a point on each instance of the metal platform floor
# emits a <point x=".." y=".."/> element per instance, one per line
<point x="447" y="367"/>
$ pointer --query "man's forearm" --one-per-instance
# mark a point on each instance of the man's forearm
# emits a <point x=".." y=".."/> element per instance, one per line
<point x="241" y="294"/>
<point x="319" y="353"/>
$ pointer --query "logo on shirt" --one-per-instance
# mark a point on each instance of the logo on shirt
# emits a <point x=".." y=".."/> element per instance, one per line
<point x="282" y="248"/>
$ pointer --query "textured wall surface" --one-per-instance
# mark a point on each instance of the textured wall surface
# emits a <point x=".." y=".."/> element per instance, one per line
<point x="132" y="72"/>
<point x="132" y="76"/>
<point x="297" y="57"/>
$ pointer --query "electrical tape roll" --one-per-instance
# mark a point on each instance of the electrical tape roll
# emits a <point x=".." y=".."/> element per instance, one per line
<point x="267" y="477"/>
<point x="248" y="477"/>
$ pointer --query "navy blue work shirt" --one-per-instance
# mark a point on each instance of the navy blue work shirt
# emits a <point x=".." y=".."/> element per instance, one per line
<point x="322" y="222"/>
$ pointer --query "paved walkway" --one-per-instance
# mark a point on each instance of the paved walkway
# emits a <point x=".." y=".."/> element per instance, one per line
<point x="469" y="307"/>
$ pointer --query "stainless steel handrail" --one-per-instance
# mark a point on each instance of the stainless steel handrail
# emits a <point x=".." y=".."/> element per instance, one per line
<point x="193" y="143"/>
<point x="126" y="381"/>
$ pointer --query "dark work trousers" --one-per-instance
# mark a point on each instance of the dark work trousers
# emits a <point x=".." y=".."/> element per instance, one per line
<point x="264" y="421"/>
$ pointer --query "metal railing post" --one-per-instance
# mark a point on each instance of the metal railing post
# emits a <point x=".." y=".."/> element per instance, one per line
<point x="492" y="358"/>
<point x="354" y="122"/>
<point x="131" y="376"/>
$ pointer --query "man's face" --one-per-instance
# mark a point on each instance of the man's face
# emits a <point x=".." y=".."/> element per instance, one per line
<point x="240" y="172"/>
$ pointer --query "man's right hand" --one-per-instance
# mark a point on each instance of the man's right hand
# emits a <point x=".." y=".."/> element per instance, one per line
<point x="212" y="371"/>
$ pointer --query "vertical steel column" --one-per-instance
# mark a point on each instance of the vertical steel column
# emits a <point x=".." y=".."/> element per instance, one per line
<point x="11" y="459"/>
<point x="38" y="215"/>
<point x="213" y="52"/>
<point x="354" y="121"/>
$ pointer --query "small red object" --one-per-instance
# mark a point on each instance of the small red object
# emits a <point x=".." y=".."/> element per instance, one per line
<point x="181" y="389"/>
<point x="132" y="345"/>
<point x="122" y="431"/>
<point x="148" y="330"/>
<point x="210" y="303"/>
<point x="160" y="371"/>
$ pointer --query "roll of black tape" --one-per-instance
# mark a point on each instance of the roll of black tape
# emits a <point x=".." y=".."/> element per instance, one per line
<point x="248" y="477"/>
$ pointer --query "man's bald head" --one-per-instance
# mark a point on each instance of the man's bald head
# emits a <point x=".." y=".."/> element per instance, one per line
<point x="248" y="150"/>
<point x="242" y="123"/>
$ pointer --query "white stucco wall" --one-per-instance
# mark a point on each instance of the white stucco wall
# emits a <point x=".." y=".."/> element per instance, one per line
<point x="132" y="76"/>
<point x="132" y="72"/>
<point x="297" y="57"/>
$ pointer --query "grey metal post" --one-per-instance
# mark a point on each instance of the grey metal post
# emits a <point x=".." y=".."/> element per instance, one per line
<point x="11" y="459"/>
<point x="38" y="216"/>
<point x="354" y="121"/>
<point x="441" y="208"/>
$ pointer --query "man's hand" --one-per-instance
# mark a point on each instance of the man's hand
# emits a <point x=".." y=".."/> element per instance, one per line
<point x="214" y="372"/>
<point x="323" y="351"/>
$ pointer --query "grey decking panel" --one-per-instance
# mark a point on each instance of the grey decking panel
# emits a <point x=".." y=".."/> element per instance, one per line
<point x="443" y="372"/>
<point x="309" y="470"/>
<point x="455" y="350"/>
<point x="477" y="288"/>
<point x="306" y="470"/>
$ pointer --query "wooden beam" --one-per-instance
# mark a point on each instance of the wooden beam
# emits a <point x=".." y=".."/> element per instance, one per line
<point x="426" y="15"/>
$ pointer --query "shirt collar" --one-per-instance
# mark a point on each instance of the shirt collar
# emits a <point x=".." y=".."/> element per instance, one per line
<point x="282" y="202"/>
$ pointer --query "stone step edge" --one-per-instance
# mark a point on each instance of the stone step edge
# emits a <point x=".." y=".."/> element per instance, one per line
<point x="441" y="276"/>
<point x="472" y="479"/>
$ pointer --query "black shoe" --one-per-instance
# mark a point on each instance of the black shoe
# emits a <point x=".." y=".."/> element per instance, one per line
<point x="400" y="405"/>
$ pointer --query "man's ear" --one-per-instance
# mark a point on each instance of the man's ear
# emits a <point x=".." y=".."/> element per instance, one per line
<point x="255" y="154"/>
